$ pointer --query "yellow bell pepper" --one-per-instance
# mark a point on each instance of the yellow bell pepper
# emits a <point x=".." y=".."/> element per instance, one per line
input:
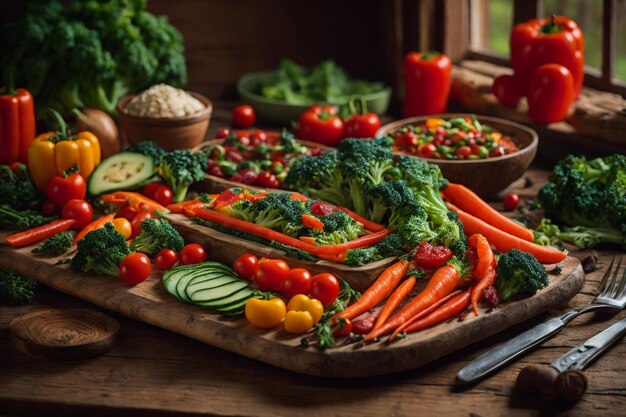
<point x="51" y="153"/>
<point x="265" y="313"/>
<point x="302" y="314"/>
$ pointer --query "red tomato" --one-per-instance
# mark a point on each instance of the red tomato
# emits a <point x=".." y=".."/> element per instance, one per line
<point x="222" y="133"/>
<point x="269" y="274"/>
<point x="127" y="212"/>
<point x="267" y="179"/>
<point x="362" y="126"/>
<point x="426" y="150"/>
<point x="407" y="139"/>
<point x="505" y="89"/>
<point x="134" y="268"/>
<point x="149" y="189"/>
<point x="192" y="254"/>
<point x="321" y="124"/>
<point x="79" y="210"/>
<point x="243" y="116"/>
<point x="511" y="201"/>
<point x="258" y="136"/>
<point x="63" y="189"/>
<point x="428" y="256"/>
<point x="463" y="152"/>
<point x="297" y="281"/>
<point x="322" y="208"/>
<point x="550" y="93"/>
<point x="135" y="223"/>
<point x="342" y="327"/>
<point x="163" y="195"/>
<point x="324" y="287"/>
<point x="245" y="265"/>
<point x="165" y="259"/>
<point x="48" y="208"/>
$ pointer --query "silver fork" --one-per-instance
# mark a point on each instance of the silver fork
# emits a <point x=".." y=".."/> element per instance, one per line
<point x="612" y="298"/>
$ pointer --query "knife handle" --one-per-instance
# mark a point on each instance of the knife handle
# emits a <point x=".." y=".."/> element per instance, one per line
<point x="506" y="352"/>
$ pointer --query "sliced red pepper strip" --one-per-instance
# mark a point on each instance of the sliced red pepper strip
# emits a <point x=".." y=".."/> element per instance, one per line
<point x="312" y="222"/>
<point x="361" y="242"/>
<point x="367" y="224"/>
<point x="298" y="196"/>
<point x="39" y="233"/>
<point x="178" y="208"/>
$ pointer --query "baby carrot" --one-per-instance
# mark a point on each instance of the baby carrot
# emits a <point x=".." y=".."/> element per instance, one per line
<point x="96" y="224"/>
<point x="394" y="301"/>
<point x="485" y="255"/>
<point x="479" y="289"/>
<point x="450" y="309"/>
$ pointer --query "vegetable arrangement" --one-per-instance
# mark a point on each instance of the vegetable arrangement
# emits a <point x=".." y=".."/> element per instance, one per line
<point x="457" y="138"/>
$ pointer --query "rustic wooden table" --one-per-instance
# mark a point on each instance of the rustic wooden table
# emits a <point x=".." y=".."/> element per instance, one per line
<point x="155" y="372"/>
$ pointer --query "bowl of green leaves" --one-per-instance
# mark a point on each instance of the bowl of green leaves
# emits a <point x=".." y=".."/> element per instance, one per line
<point x="280" y="96"/>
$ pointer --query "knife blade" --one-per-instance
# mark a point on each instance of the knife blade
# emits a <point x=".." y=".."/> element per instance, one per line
<point x="582" y="355"/>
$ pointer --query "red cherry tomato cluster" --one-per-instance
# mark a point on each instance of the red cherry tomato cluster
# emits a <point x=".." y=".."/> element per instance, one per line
<point x="66" y="196"/>
<point x="276" y="275"/>
<point x="322" y="124"/>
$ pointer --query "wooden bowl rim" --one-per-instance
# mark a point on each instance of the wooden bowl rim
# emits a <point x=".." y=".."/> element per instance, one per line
<point x="169" y="121"/>
<point x="531" y="147"/>
<point x="112" y="327"/>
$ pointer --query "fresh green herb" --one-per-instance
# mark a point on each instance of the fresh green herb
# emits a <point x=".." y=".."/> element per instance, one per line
<point x="16" y="288"/>
<point x="21" y="220"/>
<point x="17" y="190"/>
<point x="57" y="244"/>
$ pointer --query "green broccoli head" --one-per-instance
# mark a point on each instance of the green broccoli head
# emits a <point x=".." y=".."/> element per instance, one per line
<point x="148" y="148"/>
<point x="17" y="190"/>
<point x="319" y="177"/>
<point x="157" y="234"/>
<point x="100" y="251"/>
<point x="180" y="169"/>
<point x="519" y="274"/>
<point x="391" y="245"/>
<point x="277" y="209"/>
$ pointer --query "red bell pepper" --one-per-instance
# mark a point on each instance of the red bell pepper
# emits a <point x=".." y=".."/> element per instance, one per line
<point x="555" y="40"/>
<point x="550" y="94"/>
<point x="426" y="83"/>
<point x="360" y="123"/>
<point x="321" y="124"/>
<point x="17" y="124"/>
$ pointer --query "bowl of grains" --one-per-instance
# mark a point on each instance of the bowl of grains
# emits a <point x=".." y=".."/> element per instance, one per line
<point x="173" y="118"/>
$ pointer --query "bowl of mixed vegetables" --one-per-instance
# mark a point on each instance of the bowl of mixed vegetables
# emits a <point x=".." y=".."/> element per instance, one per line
<point x="483" y="153"/>
<point x="281" y="95"/>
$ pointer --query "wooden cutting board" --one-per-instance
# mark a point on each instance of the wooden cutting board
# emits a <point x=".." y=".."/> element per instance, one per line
<point x="149" y="303"/>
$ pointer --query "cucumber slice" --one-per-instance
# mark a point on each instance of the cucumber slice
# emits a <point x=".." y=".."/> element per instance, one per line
<point x="217" y="296"/>
<point x="238" y="307"/>
<point x="207" y="283"/>
<point x="223" y="303"/>
<point x="121" y="171"/>
<point x="183" y="283"/>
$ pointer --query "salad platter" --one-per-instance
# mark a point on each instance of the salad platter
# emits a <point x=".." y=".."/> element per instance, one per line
<point x="148" y="302"/>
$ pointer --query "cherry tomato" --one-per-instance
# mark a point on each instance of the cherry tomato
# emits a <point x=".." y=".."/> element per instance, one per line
<point x="322" y="208"/>
<point x="342" y="327"/>
<point x="321" y="124"/>
<point x="428" y="256"/>
<point x="243" y="116"/>
<point x="222" y="133"/>
<point x="135" y="223"/>
<point x="267" y="179"/>
<point x="123" y="226"/>
<point x="269" y="274"/>
<point x="63" y="189"/>
<point x="297" y="281"/>
<point x="324" y="287"/>
<point x="192" y="254"/>
<point x="163" y="195"/>
<point x="79" y="210"/>
<point x="127" y="212"/>
<point x="149" y="189"/>
<point x="426" y="150"/>
<point x="463" y="152"/>
<point x="165" y="259"/>
<point x="511" y="201"/>
<point x="362" y="125"/>
<point x="407" y="139"/>
<point x="245" y="265"/>
<point x="258" y="136"/>
<point x="134" y="268"/>
<point x="48" y="208"/>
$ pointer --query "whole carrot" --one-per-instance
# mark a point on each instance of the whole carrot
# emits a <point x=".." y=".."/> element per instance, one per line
<point x="423" y="314"/>
<point x="394" y="301"/>
<point x="479" y="289"/>
<point x="455" y="306"/>
<point x="441" y="284"/>
<point x="485" y="255"/>
<point x="96" y="224"/>
<point x="469" y="202"/>
<point x="39" y="233"/>
<point x="378" y="291"/>
<point x="504" y="242"/>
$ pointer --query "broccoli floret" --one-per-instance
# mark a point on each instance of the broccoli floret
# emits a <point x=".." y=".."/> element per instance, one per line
<point x="519" y="273"/>
<point x="241" y="210"/>
<point x="17" y="190"/>
<point x="148" y="148"/>
<point x="16" y="288"/>
<point x="318" y="177"/>
<point x="289" y="145"/>
<point x="180" y="169"/>
<point x="157" y="234"/>
<point x="100" y="251"/>
<point x="57" y="244"/>
<point x="589" y="237"/>
<point x="391" y="245"/>
<point x="276" y="210"/>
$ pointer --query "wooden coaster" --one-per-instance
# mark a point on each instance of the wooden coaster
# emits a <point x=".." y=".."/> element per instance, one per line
<point x="65" y="334"/>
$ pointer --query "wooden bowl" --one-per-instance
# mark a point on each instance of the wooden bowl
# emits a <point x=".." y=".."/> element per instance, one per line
<point x="483" y="176"/>
<point x="170" y="133"/>
<point x="65" y="334"/>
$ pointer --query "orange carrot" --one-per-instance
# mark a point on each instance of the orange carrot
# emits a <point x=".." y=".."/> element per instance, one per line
<point x="133" y="199"/>
<point x="423" y="313"/>
<point x="96" y="224"/>
<point x="39" y="233"/>
<point x="308" y="239"/>
<point x="441" y="284"/>
<point x="485" y="255"/>
<point x="394" y="301"/>
<point x="178" y="208"/>
<point x="469" y="202"/>
<point x="504" y="242"/>
<point x="378" y="291"/>
<point x="312" y="222"/>
<point x="450" y="309"/>
<point x="479" y="289"/>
